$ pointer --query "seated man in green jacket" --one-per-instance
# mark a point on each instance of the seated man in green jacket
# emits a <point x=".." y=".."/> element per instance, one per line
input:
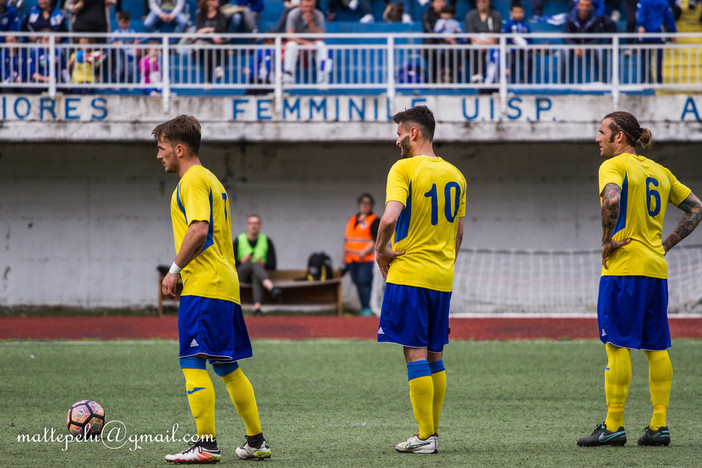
<point x="255" y="256"/>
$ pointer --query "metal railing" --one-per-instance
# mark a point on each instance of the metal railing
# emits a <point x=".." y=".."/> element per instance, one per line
<point x="365" y="63"/>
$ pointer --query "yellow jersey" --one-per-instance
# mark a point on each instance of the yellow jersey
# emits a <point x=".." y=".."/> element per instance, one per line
<point x="200" y="196"/>
<point x="647" y="187"/>
<point x="83" y="67"/>
<point x="433" y="193"/>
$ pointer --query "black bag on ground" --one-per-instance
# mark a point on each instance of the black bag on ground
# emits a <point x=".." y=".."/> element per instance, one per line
<point x="319" y="267"/>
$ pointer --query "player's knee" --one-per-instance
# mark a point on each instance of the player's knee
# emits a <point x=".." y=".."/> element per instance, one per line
<point x="223" y="370"/>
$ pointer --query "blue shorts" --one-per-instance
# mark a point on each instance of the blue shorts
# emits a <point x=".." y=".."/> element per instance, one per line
<point x="632" y="312"/>
<point x="414" y="317"/>
<point x="212" y="328"/>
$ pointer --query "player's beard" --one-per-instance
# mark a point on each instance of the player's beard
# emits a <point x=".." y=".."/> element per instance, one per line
<point x="405" y="148"/>
<point x="607" y="150"/>
<point x="170" y="168"/>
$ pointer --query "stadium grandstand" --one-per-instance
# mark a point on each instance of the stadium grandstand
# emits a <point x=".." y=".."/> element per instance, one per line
<point x="368" y="58"/>
<point x="83" y="202"/>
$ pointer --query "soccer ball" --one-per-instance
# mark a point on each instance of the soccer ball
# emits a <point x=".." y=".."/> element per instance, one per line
<point x="85" y="418"/>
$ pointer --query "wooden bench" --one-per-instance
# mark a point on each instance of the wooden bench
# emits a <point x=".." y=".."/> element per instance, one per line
<point x="294" y="294"/>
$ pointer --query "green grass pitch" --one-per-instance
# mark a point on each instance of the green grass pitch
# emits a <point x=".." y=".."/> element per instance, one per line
<point x="332" y="403"/>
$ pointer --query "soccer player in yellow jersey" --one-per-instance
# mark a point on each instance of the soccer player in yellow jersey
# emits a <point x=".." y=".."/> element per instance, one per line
<point x="633" y="294"/>
<point x="210" y="322"/>
<point x="424" y="210"/>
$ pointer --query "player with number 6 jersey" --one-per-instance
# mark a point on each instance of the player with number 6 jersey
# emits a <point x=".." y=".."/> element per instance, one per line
<point x="424" y="211"/>
<point x="640" y="179"/>
<point x="632" y="304"/>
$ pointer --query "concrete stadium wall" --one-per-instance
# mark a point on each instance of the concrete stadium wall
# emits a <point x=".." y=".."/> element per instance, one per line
<point x="342" y="118"/>
<point x="85" y="225"/>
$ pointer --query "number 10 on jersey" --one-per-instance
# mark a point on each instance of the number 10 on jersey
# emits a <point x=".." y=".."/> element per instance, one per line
<point x="452" y="200"/>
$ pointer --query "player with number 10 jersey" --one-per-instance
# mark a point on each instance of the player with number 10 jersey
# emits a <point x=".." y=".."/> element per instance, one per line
<point x="423" y="220"/>
<point x="433" y="192"/>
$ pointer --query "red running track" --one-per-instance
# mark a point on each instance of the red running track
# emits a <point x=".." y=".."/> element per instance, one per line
<point x="301" y="327"/>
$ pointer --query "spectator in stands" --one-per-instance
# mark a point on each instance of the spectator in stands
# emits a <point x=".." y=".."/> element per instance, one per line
<point x="598" y="6"/>
<point x="9" y="19"/>
<point x="260" y="69"/>
<point x="243" y="14"/>
<point x="42" y="16"/>
<point x="255" y="257"/>
<point x="13" y="62"/>
<point x="483" y="20"/>
<point x="362" y="6"/>
<point x="90" y="16"/>
<point x="166" y="12"/>
<point x="39" y="68"/>
<point x="289" y="5"/>
<point x="359" y="254"/>
<point x="430" y="17"/>
<point x="306" y="19"/>
<point x="211" y="22"/>
<point x="150" y="70"/>
<point x="519" y="59"/>
<point x="584" y="20"/>
<point x="83" y="63"/>
<point x="449" y="27"/>
<point x="125" y="63"/>
<point x="651" y="17"/>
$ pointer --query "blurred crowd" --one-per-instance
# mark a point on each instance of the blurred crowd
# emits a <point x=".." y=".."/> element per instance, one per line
<point x="87" y="62"/>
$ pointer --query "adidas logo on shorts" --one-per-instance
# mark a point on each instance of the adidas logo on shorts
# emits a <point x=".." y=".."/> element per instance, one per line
<point x="380" y="331"/>
<point x="194" y="343"/>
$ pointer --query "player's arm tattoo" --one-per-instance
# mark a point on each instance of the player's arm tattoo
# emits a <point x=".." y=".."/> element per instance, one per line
<point x="689" y="221"/>
<point x="611" y="196"/>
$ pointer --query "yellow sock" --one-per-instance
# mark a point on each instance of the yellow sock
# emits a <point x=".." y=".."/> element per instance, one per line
<point x="201" y="397"/>
<point x="438" y="379"/>
<point x="244" y="399"/>
<point x="617" y="381"/>
<point x="422" y="396"/>
<point x="660" y="378"/>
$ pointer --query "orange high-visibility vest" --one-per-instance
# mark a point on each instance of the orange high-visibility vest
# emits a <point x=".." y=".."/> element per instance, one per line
<point x="356" y="239"/>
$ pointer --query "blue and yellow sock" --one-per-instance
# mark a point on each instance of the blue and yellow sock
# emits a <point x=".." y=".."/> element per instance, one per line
<point x="421" y="396"/>
<point x="617" y="381"/>
<point x="438" y="379"/>
<point x="660" y="379"/>
<point x="201" y="395"/>
<point x="242" y="395"/>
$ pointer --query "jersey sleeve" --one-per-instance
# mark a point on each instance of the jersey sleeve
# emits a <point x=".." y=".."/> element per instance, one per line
<point x="195" y="197"/>
<point x="611" y="172"/>
<point x="462" y="207"/>
<point x="678" y="191"/>
<point x="398" y="184"/>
